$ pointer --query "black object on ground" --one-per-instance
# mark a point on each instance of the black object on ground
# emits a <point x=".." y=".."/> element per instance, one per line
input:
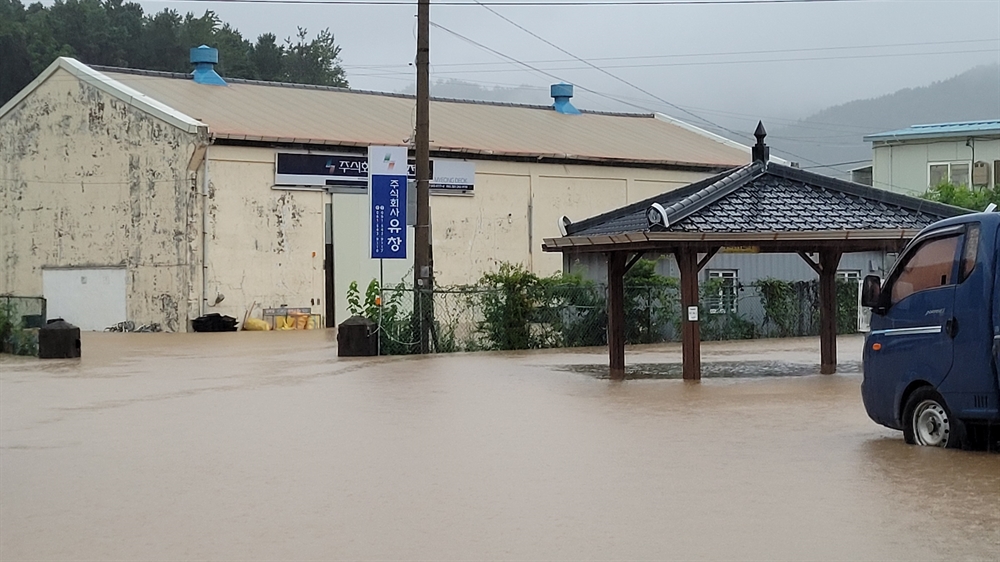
<point x="58" y="340"/>
<point x="357" y="337"/>
<point x="214" y="322"/>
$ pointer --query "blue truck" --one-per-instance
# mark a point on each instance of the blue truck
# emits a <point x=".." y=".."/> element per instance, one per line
<point x="931" y="357"/>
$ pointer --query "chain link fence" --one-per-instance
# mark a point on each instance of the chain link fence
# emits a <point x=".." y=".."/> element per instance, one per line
<point x="19" y="317"/>
<point x="575" y="315"/>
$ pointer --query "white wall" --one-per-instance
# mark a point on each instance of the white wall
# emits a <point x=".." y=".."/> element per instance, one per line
<point x="90" y="181"/>
<point x="267" y="245"/>
<point x="903" y="167"/>
<point x="92" y="299"/>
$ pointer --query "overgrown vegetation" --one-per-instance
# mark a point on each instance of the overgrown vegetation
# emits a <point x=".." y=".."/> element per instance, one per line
<point x="385" y="310"/>
<point x="512" y="308"/>
<point x="652" y="304"/>
<point x="972" y="198"/>
<point x="725" y="325"/>
<point x="14" y="338"/>
<point x="791" y="308"/>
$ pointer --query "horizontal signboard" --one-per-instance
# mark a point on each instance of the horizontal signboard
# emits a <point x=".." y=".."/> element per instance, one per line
<point x="351" y="170"/>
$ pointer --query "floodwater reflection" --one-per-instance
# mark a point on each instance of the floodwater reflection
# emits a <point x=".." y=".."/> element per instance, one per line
<point x="266" y="446"/>
<point x="712" y="370"/>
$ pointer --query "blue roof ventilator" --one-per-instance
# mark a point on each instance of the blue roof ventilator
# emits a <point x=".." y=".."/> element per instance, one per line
<point x="204" y="59"/>
<point x="562" y="93"/>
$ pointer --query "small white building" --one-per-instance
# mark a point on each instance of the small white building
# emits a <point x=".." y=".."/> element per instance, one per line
<point x="914" y="159"/>
<point x="159" y="197"/>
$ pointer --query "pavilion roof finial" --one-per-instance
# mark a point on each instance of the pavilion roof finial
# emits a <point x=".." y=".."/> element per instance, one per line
<point x="760" y="151"/>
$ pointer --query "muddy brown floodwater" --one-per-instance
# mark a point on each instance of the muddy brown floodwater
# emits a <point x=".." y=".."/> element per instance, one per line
<point x="257" y="446"/>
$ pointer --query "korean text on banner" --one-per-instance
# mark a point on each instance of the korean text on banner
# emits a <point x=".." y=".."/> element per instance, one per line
<point x="387" y="188"/>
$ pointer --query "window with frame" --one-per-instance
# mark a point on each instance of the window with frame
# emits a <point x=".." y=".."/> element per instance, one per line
<point x="955" y="173"/>
<point x="849" y="275"/>
<point x="724" y="301"/>
<point x="928" y="267"/>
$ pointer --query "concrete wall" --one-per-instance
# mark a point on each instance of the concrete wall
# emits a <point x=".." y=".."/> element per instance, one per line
<point x="263" y="245"/>
<point x="516" y="205"/>
<point x="268" y="245"/>
<point x="85" y="180"/>
<point x="903" y="167"/>
<point x="90" y="182"/>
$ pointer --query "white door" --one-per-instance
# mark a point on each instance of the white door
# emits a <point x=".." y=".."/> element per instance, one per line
<point x="91" y="299"/>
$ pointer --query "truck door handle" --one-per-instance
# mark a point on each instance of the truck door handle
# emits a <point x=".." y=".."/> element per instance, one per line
<point x="951" y="327"/>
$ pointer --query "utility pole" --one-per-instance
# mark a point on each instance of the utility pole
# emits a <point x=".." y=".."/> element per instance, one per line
<point x="423" y="268"/>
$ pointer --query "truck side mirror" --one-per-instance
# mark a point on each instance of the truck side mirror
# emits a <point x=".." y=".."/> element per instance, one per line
<point x="871" y="292"/>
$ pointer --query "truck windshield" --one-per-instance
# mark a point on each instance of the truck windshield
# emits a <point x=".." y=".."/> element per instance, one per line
<point x="928" y="267"/>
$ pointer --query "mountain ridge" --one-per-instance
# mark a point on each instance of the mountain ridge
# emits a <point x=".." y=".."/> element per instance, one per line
<point x="834" y="135"/>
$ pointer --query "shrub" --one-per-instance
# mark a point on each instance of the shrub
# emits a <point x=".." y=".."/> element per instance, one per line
<point x="14" y="338"/>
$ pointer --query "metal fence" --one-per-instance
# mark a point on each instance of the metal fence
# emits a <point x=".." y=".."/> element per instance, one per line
<point x="473" y="319"/>
<point x="18" y="318"/>
<point x="29" y="311"/>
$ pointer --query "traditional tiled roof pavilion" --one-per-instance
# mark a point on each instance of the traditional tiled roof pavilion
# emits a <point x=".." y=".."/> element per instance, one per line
<point x="765" y="205"/>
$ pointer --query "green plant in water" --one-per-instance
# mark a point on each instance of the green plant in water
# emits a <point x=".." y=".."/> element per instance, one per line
<point x="651" y="303"/>
<point x="847" y="306"/>
<point x="728" y="325"/>
<point x="14" y="338"/>
<point x="782" y="307"/>
<point x="512" y="301"/>
<point x="577" y="311"/>
<point x="395" y="326"/>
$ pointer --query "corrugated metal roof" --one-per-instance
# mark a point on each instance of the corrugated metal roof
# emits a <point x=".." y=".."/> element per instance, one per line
<point x="939" y="130"/>
<point x="262" y="111"/>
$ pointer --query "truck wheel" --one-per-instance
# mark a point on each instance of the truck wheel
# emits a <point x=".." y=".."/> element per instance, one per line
<point x="928" y="422"/>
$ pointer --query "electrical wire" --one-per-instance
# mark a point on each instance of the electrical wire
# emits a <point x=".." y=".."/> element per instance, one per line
<point x="706" y="63"/>
<point x="686" y="55"/>
<point x="588" y="63"/>
<point x="702" y="119"/>
<point x="545" y="2"/>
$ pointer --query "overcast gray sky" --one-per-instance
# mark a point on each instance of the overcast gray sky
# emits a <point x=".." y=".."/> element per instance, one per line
<point x="799" y="57"/>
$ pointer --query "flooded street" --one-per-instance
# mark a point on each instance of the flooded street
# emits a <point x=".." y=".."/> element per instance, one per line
<point x="257" y="446"/>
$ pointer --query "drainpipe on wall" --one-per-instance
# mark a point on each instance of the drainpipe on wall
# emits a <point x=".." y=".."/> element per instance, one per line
<point x="204" y="233"/>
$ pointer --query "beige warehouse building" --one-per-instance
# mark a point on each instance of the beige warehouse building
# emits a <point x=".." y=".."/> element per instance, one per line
<point x="153" y="197"/>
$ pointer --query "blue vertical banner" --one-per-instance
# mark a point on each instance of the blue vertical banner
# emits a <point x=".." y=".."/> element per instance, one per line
<point x="387" y="195"/>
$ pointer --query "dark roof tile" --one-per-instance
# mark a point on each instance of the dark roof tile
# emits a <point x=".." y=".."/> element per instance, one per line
<point x="772" y="198"/>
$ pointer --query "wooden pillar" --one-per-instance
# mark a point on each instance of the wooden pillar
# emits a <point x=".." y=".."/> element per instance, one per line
<point x="687" y="262"/>
<point x="828" y="262"/>
<point x="616" y="314"/>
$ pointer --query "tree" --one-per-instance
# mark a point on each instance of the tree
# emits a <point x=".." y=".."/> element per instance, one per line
<point x="234" y="53"/>
<point x="118" y="33"/>
<point x="161" y="44"/>
<point x="15" y="58"/>
<point x="975" y="199"/>
<point x="314" y="62"/>
<point x="266" y="57"/>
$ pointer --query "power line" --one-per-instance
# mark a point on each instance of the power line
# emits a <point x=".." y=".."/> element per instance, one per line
<point x="529" y="67"/>
<point x="704" y="63"/>
<point x="594" y="66"/>
<point x="686" y="55"/>
<point x="644" y="108"/>
<point x="718" y="127"/>
<point x="544" y="2"/>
